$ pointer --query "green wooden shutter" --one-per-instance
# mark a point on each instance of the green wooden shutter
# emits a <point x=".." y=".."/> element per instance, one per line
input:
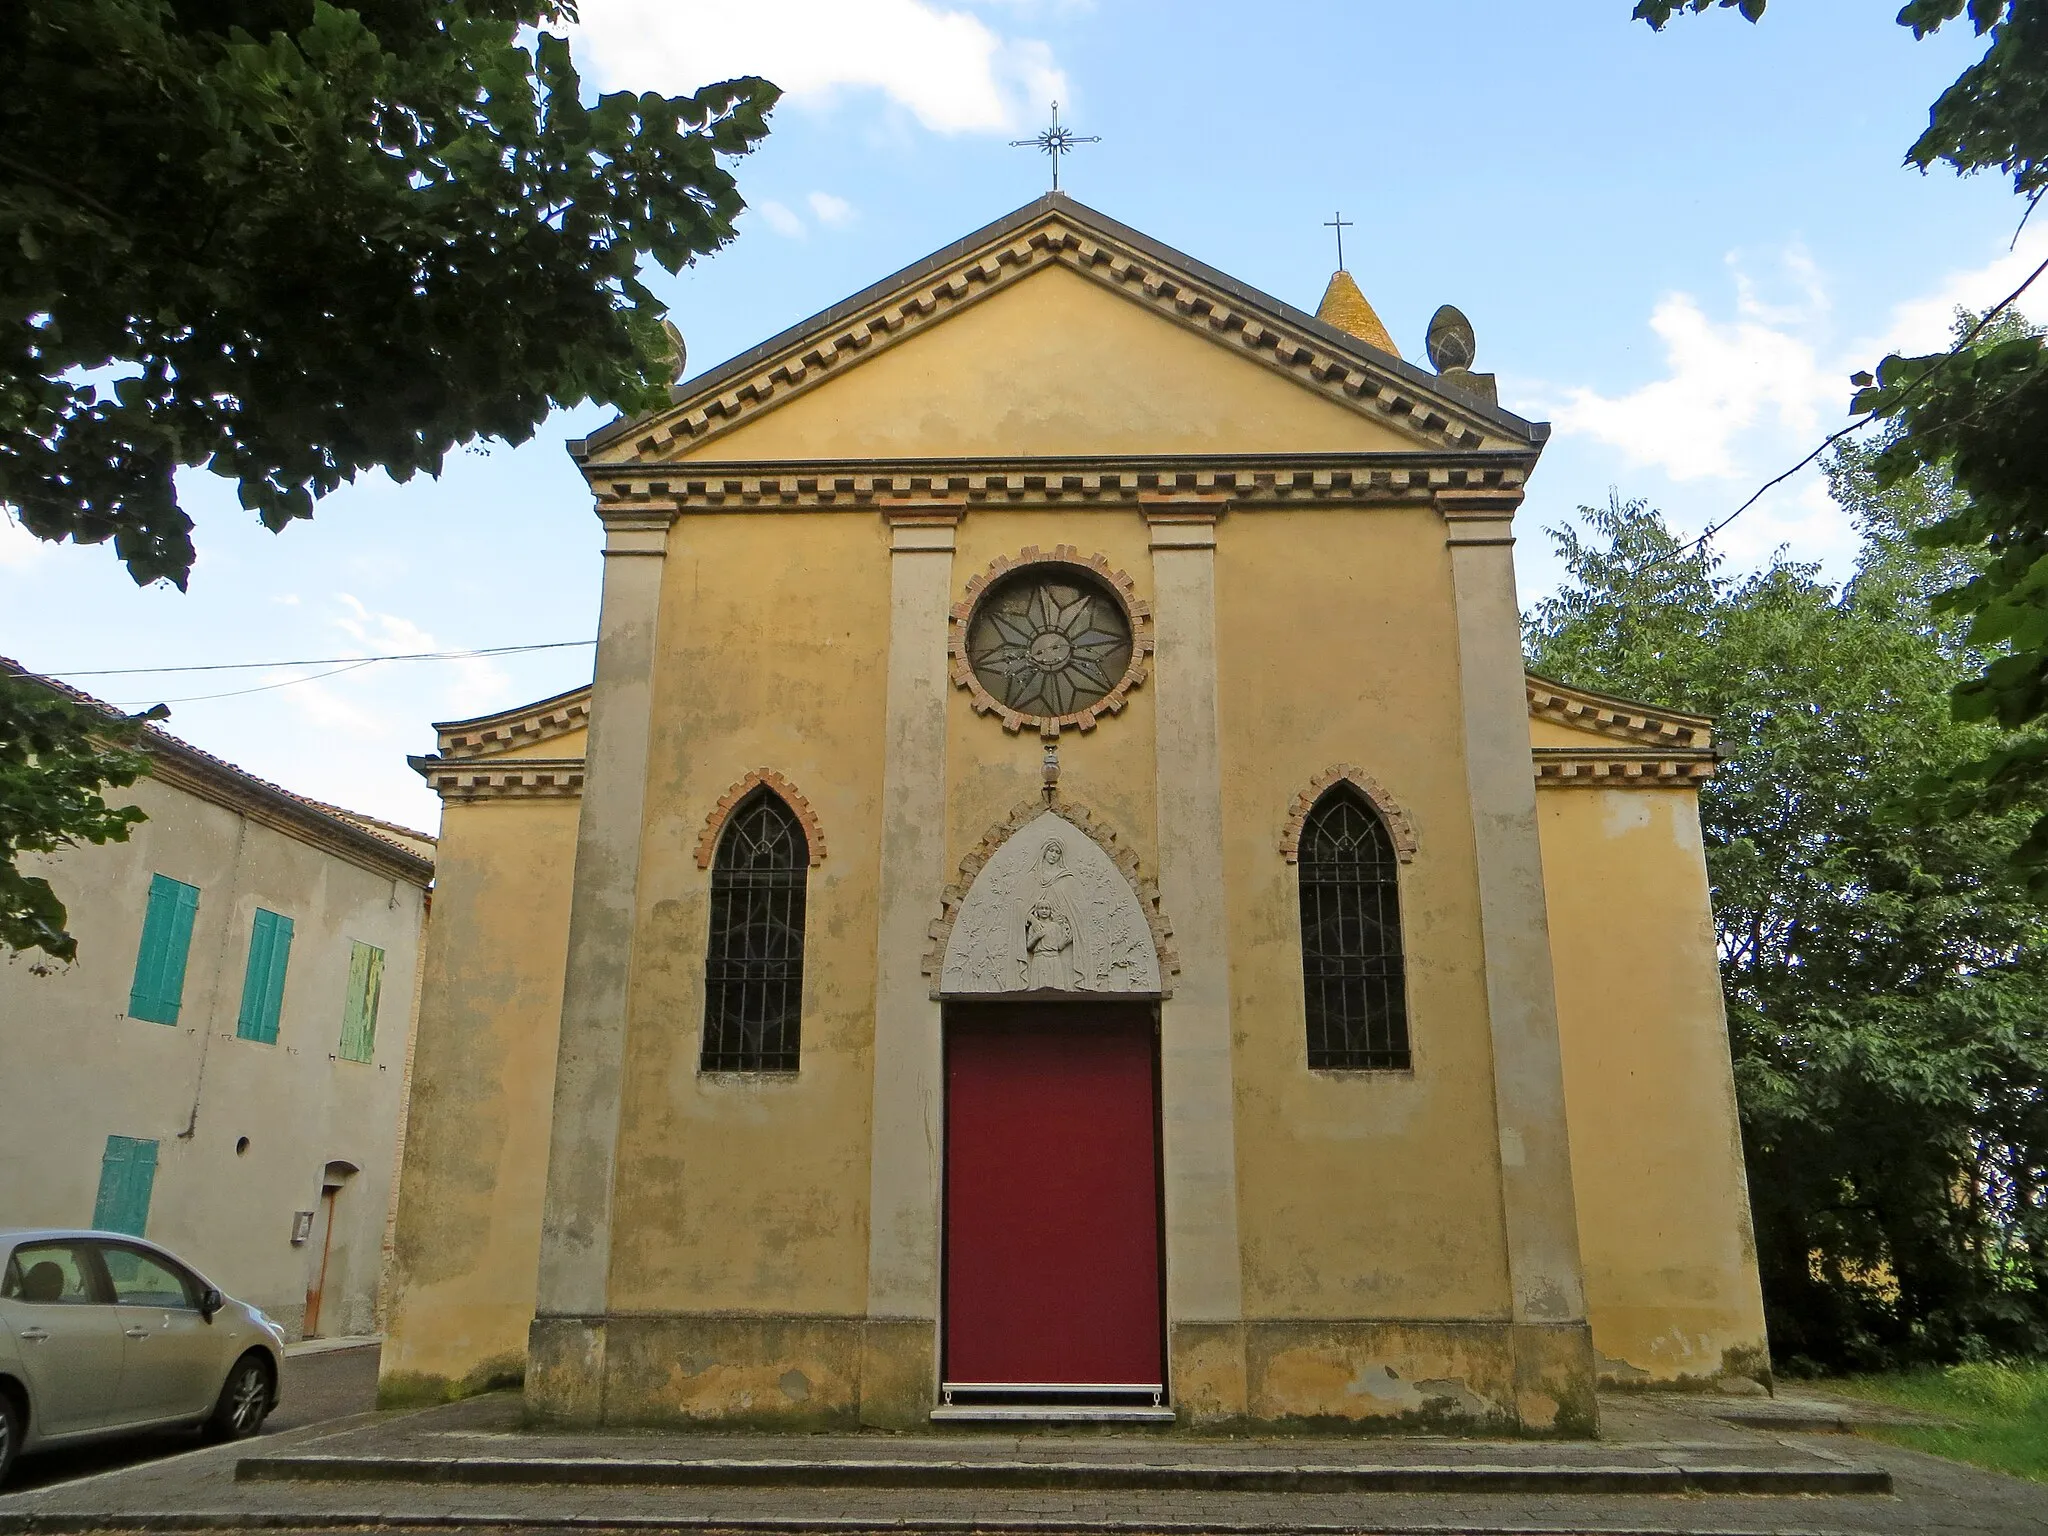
<point x="127" y="1177"/>
<point x="159" y="989"/>
<point x="365" y="986"/>
<point x="270" y="948"/>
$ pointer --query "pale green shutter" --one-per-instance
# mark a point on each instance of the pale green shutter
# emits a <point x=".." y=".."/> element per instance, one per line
<point x="365" y="986"/>
<point x="270" y="948"/>
<point x="159" y="989"/>
<point x="127" y="1178"/>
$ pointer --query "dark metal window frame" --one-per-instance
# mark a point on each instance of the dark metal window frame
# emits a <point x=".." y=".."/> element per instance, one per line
<point x="754" y="952"/>
<point x="1354" y="972"/>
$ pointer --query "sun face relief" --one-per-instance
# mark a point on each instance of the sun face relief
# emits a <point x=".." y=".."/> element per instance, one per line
<point x="1048" y="641"/>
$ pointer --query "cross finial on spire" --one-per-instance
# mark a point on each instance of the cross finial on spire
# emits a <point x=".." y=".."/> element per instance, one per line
<point x="1340" y="224"/>
<point x="1055" y="141"/>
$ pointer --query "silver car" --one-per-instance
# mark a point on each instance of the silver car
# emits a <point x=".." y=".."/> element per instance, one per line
<point x="104" y="1335"/>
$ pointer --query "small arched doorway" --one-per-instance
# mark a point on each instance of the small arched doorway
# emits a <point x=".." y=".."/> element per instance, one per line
<point x="324" y="1272"/>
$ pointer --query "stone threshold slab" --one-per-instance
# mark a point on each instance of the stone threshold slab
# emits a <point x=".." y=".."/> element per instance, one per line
<point x="878" y="1472"/>
<point x="397" y="1524"/>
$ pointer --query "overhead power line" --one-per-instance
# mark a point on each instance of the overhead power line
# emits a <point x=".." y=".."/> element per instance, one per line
<point x="1855" y="426"/>
<point x="314" y="661"/>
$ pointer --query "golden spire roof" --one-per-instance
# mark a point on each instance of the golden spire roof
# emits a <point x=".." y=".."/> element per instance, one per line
<point x="1345" y="307"/>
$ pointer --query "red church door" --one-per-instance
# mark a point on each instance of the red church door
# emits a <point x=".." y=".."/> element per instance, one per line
<point x="1052" y="1196"/>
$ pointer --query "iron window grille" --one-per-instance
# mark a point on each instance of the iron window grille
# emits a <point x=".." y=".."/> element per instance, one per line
<point x="1351" y="966"/>
<point x="754" y="962"/>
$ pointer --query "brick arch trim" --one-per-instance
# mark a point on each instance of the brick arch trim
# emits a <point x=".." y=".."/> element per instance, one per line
<point x="788" y="793"/>
<point x="1398" y="823"/>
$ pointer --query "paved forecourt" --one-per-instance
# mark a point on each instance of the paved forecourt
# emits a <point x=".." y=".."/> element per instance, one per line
<point x="1666" y="1464"/>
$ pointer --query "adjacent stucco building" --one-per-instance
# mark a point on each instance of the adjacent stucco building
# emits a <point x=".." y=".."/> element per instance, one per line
<point x="1063" y="900"/>
<point x="222" y="1069"/>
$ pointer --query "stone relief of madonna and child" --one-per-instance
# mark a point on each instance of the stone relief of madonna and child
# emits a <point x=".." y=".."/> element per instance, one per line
<point x="1050" y="913"/>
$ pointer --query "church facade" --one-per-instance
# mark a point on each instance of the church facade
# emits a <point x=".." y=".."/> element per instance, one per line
<point x="1063" y="901"/>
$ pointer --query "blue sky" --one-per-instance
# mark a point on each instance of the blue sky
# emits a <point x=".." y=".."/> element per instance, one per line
<point x="1675" y="248"/>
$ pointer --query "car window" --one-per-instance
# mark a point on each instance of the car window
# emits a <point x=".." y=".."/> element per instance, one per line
<point x="143" y="1280"/>
<point x="50" y="1273"/>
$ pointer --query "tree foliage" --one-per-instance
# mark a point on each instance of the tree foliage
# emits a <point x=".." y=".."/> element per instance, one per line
<point x="55" y="757"/>
<point x="1887" y="981"/>
<point x="1978" y="413"/>
<point x="293" y="241"/>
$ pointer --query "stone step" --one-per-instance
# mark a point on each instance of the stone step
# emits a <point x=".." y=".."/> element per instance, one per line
<point x="868" y="1472"/>
<point x="391" y="1523"/>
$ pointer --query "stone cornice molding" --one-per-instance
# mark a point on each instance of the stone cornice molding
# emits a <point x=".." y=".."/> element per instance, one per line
<point x="1314" y="355"/>
<point x="1136" y="609"/>
<point x="1628" y="746"/>
<point x="745" y="785"/>
<point x="1594" y="768"/>
<point x="463" y="780"/>
<point x="1100" y="833"/>
<point x="525" y="726"/>
<point x="1621" y="720"/>
<point x="1400" y="827"/>
<point x="932" y="486"/>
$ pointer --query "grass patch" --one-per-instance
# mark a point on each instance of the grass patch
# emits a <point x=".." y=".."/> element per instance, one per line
<point x="1998" y="1413"/>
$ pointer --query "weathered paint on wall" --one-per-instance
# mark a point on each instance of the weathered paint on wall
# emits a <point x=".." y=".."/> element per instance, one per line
<point x="78" y="1069"/>
<point x="1671" y="1277"/>
<point x="748" y="1193"/>
<point x="468" y="1233"/>
<point x="1365" y="1194"/>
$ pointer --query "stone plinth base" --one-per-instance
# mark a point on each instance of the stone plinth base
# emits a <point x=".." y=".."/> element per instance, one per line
<point x="811" y="1373"/>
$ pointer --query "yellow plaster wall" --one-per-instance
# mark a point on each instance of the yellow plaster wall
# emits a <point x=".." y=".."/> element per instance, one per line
<point x="1664" y="1225"/>
<point x="1054" y="363"/>
<point x="568" y="744"/>
<point x="1360" y="1194"/>
<point x="1111" y="769"/>
<point x="468" y="1237"/>
<point x="749" y="1194"/>
<point x="1549" y="733"/>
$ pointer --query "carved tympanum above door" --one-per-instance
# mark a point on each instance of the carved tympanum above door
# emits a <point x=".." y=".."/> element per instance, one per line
<point x="1049" y="911"/>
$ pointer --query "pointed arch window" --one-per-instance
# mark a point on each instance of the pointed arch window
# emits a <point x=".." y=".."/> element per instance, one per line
<point x="1351" y="962"/>
<point x="754" y="963"/>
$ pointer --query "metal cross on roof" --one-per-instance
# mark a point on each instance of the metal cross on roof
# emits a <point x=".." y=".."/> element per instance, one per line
<point x="1340" y="224"/>
<point x="1055" y="141"/>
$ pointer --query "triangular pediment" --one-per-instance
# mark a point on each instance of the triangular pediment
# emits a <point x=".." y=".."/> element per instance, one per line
<point x="1059" y="332"/>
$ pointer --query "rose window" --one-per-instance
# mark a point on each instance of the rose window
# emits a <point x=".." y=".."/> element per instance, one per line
<point x="1047" y="643"/>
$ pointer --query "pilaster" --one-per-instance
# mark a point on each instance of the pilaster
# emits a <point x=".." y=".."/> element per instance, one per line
<point x="566" y="1345"/>
<point x="904" y="1177"/>
<point x="1204" y="1280"/>
<point x="1544" y="1272"/>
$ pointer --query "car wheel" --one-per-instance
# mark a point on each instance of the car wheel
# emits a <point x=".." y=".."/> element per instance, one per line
<point x="10" y="1433"/>
<point x="245" y="1400"/>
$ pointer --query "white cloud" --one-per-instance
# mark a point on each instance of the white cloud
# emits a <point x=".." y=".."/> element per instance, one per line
<point x="1774" y="375"/>
<point x="948" y="67"/>
<point x="1748" y="388"/>
<point x="834" y="212"/>
<point x="1925" y="324"/>
<point x="1723" y="379"/>
<point x="779" y="218"/>
<point x="468" y="686"/>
